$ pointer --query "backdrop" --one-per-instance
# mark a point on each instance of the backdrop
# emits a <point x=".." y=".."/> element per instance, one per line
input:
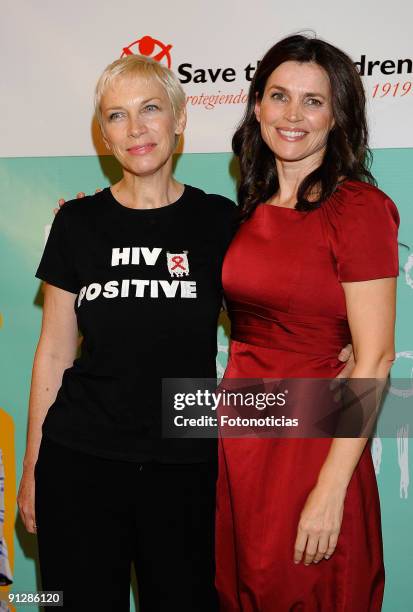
<point x="51" y="55"/>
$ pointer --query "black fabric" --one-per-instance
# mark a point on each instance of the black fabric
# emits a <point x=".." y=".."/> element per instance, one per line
<point x="145" y="315"/>
<point x="96" y="516"/>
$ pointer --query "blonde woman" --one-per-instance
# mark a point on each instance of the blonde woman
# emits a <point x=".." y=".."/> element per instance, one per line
<point x="136" y="268"/>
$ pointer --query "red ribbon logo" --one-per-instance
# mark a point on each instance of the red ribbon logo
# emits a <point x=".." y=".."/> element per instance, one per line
<point x="178" y="261"/>
<point x="178" y="264"/>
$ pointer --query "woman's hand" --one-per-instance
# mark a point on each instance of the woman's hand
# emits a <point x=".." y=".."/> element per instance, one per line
<point x="25" y="500"/>
<point x="79" y="196"/>
<point x="320" y="524"/>
<point x="346" y="355"/>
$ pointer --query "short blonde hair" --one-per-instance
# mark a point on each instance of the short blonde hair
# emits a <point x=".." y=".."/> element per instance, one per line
<point x="140" y="66"/>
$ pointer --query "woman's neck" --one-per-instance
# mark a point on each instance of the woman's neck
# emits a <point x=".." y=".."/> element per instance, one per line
<point x="146" y="192"/>
<point x="290" y="176"/>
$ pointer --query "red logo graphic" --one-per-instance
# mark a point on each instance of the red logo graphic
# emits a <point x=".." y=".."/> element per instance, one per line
<point x="178" y="264"/>
<point x="150" y="47"/>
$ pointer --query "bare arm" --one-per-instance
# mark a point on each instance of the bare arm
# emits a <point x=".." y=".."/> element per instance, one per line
<point x="55" y="353"/>
<point x="371" y="314"/>
<point x="371" y="311"/>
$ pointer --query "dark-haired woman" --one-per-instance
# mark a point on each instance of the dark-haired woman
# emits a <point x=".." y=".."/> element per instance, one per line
<point x="314" y="262"/>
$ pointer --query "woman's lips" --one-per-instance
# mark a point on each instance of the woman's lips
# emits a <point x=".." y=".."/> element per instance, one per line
<point x="291" y="135"/>
<point x="142" y="149"/>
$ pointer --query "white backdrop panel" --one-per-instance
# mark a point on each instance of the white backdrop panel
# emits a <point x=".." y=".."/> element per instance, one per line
<point x="51" y="54"/>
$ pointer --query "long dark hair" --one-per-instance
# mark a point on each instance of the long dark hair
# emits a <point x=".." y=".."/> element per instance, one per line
<point x="347" y="153"/>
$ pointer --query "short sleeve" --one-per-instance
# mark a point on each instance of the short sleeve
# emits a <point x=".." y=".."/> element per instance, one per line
<point x="231" y="221"/>
<point x="365" y="242"/>
<point x="57" y="263"/>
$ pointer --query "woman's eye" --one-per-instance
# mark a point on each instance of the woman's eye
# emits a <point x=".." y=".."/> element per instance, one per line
<point x="114" y="116"/>
<point x="277" y="95"/>
<point x="314" y="102"/>
<point x="151" y="107"/>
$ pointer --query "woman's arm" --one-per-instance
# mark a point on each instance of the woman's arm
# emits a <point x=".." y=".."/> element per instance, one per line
<point x="371" y="312"/>
<point x="55" y="353"/>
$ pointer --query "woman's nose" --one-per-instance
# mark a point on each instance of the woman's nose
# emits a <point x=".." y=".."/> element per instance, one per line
<point x="293" y="111"/>
<point x="136" y="127"/>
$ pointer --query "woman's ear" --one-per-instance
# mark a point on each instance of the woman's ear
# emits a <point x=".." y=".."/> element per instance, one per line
<point x="180" y="122"/>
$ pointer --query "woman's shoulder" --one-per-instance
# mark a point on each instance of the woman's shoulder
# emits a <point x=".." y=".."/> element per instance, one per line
<point x="213" y="199"/>
<point x="80" y="208"/>
<point x="355" y="199"/>
<point x="218" y="208"/>
<point x="362" y="224"/>
<point x="352" y="192"/>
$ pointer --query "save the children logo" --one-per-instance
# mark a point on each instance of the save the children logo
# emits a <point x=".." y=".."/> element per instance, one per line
<point x="150" y="47"/>
<point x="187" y="73"/>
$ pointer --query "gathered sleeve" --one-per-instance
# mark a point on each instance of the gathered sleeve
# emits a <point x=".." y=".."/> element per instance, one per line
<point x="364" y="226"/>
<point x="57" y="265"/>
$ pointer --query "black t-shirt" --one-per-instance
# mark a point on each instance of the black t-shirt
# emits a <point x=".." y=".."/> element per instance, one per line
<point x="148" y="286"/>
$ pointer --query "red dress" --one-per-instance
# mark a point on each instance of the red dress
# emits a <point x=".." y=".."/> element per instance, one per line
<point x="282" y="278"/>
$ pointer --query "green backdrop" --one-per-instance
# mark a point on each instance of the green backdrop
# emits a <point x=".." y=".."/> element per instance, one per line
<point x="29" y="189"/>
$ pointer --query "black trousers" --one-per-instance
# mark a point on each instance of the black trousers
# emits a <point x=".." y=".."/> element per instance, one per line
<point x="95" y="517"/>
